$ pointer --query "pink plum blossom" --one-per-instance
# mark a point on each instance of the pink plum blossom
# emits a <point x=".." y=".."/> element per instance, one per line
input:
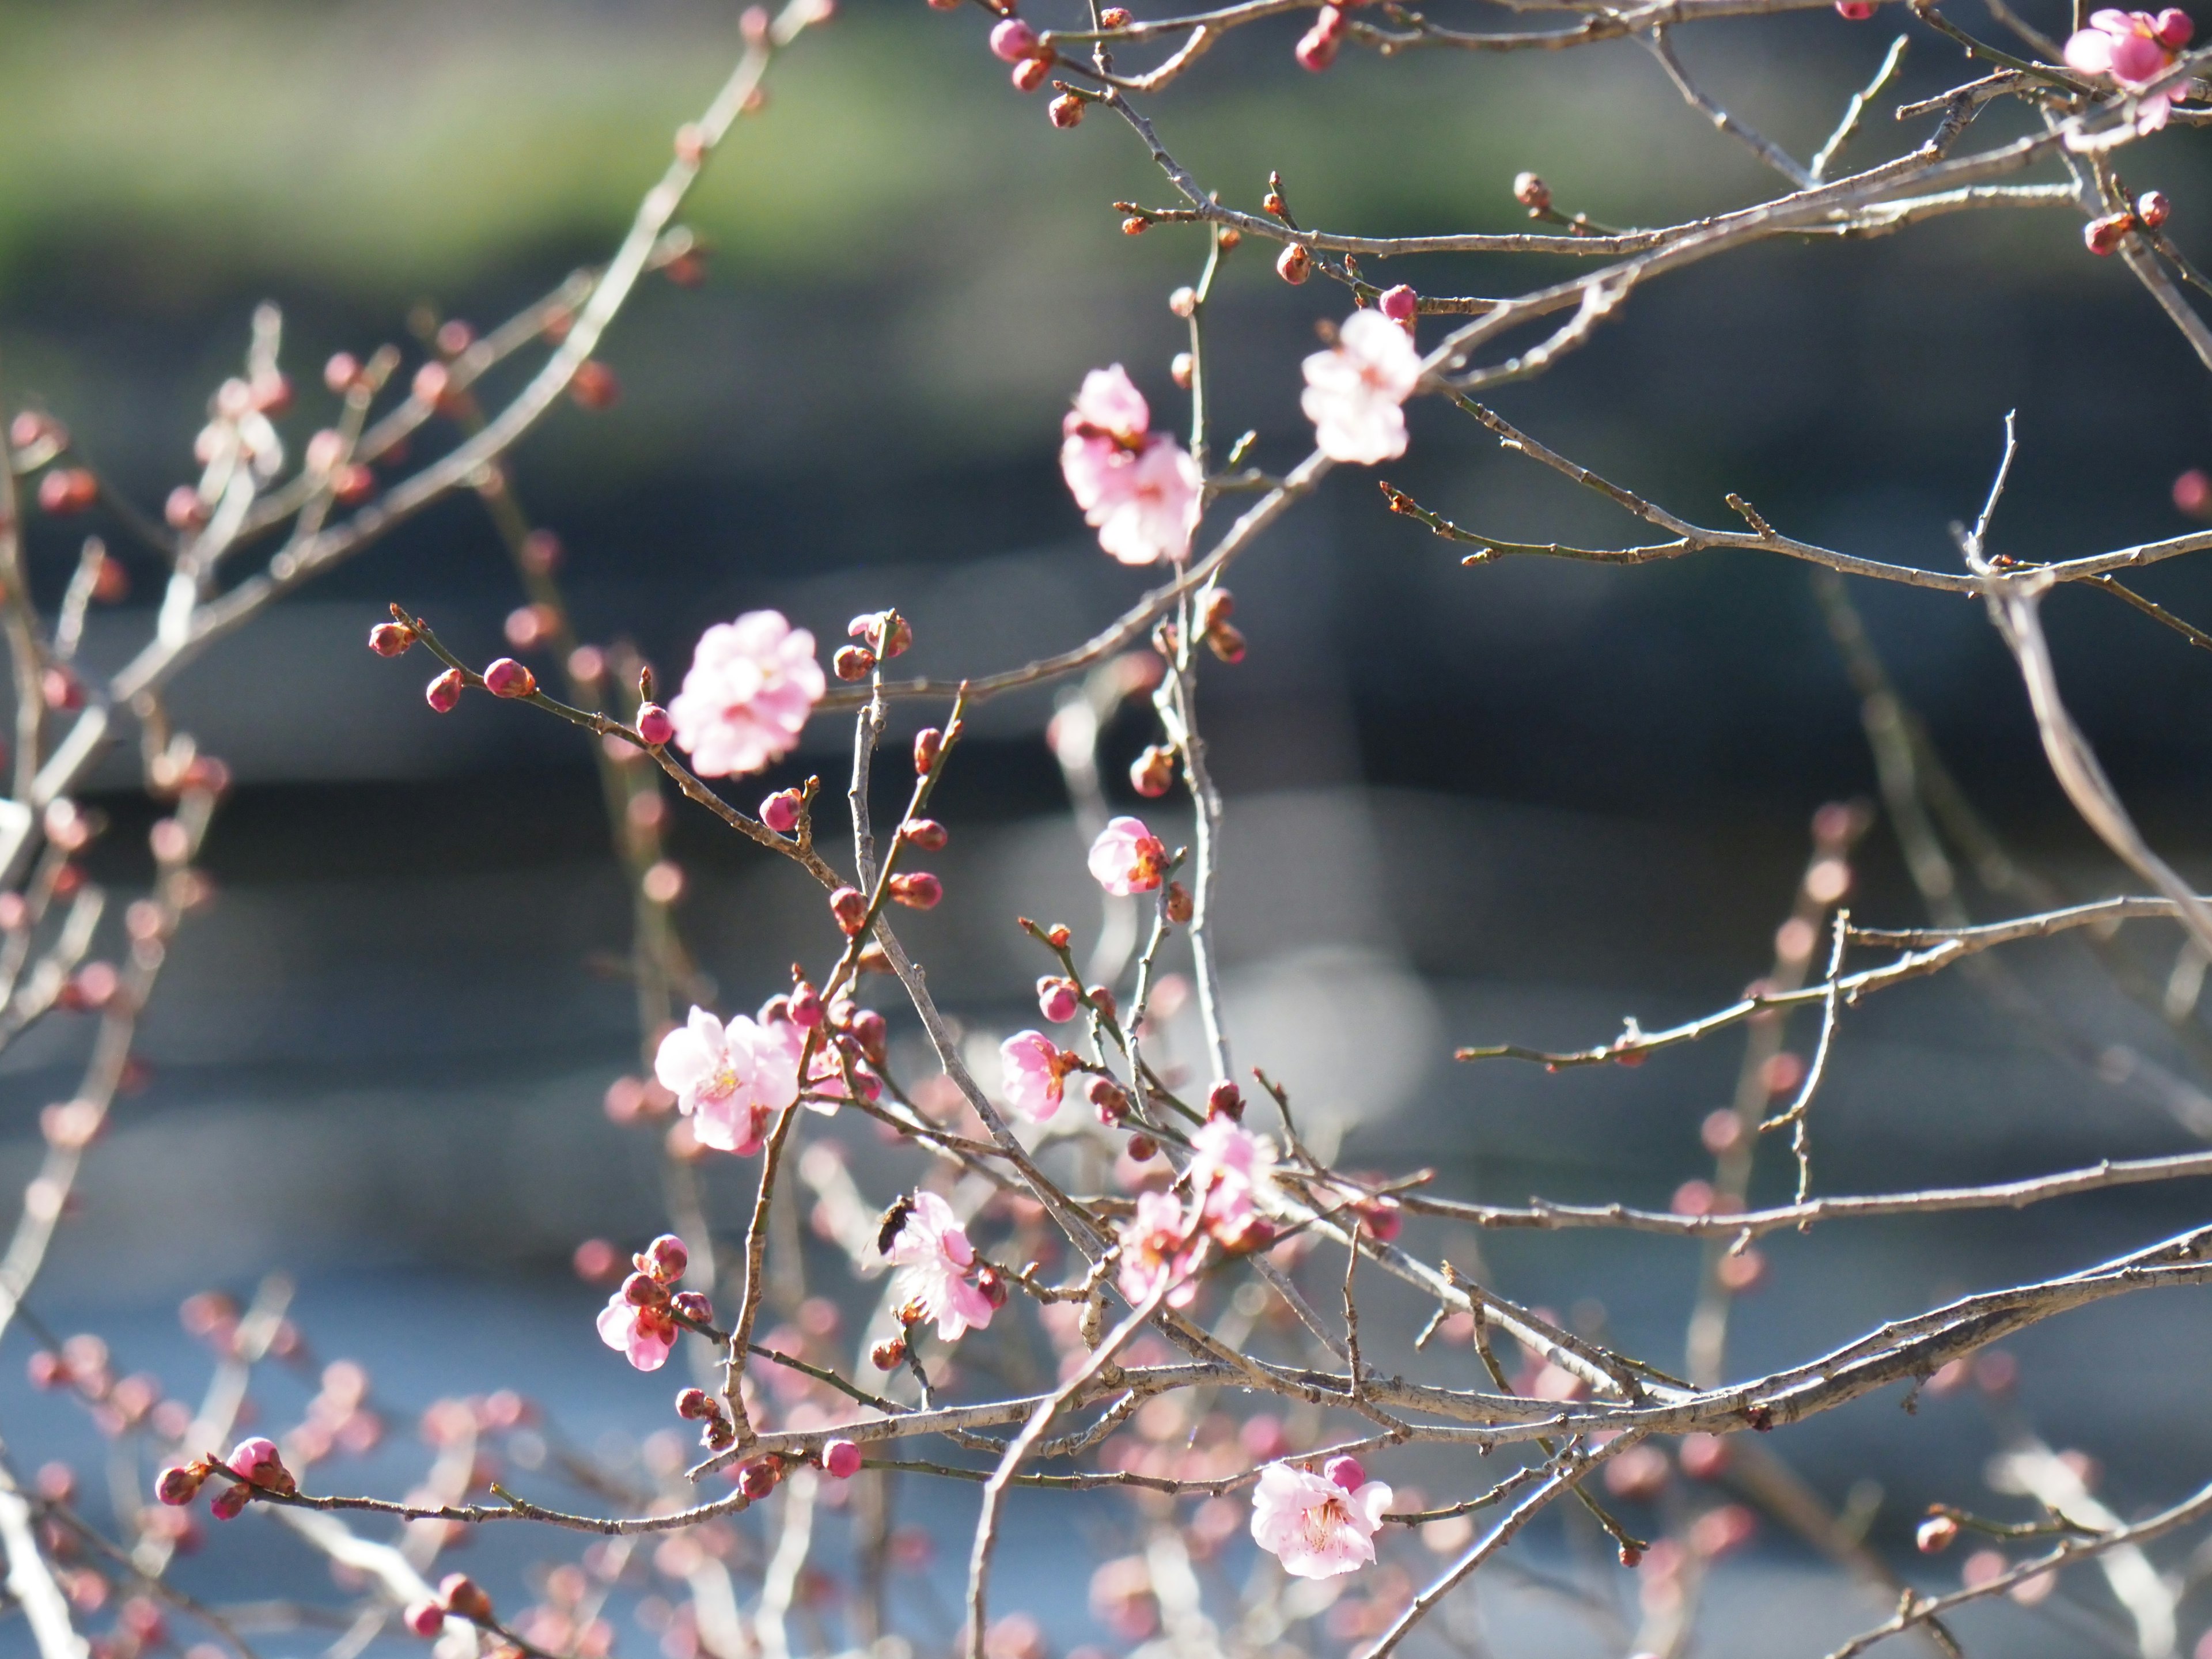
<point x="934" y="1259"/>
<point x="1316" y="1527"/>
<point x="1034" y="1069"/>
<point x="730" y="1078"/>
<point x="1128" y="857"/>
<point x="1230" y="1167"/>
<point x="751" y="685"/>
<point x="644" y="1334"/>
<point x="1354" y="389"/>
<point x="1137" y="488"/>
<point x="1157" y="1245"/>
<point x="2135" y="48"/>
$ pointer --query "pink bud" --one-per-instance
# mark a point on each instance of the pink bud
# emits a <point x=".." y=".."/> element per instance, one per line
<point x="927" y="834"/>
<point x="1855" y="11"/>
<point x="1013" y="40"/>
<point x="1030" y="74"/>
<point x="781" y="811"/>
<point x="2173" y="28"/>
<point x="1346" y="1473"/>
<point x="442" y="693"/>
<point x="256" y="1458"/>
<point x="919" y="891"/>
<point x="1935" y="1533"/>
<point x="178" y="1486"/>
<point x="1056" y="998"/>
<point x="852" y="662"/>
<point x="1294" y="264"/>
<point x="507" y="677"/>
<point x="805" y="1005"/>
<point x="230" y="1502"/>
<point x="390" y="639"/>
<point x="1399" y="304"/>
<point x="2153" y="208"/>
<point x="462" y="1595"/>
<point x="870" y="1031"/>
<point x="694" y="1305"/>
<point x="2104" y="236"/>
<point x="693" y="1403"/>
<point x="1225" y="1099"/>
<point x="840" y="1460"/>
<point x="425" y="1618"/>
<point x="1151" y="775"/>
<point x="850" y="906"/>
<point x="668" y="1258"/>
<point x="643" y="1291"/>
<point x="1109" y="1100"/>
<point x="653" y="724"/>
<point x="1065" y="111"/>
<point x="1315" y="50"/>
<point x="928" y="744"/>
<point x="757" y="1481"/>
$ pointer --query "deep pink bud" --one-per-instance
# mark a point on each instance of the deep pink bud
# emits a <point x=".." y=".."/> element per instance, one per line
<point x="805" y="1005"/>
<point x="667" y="1258"/>
<point x="1056" y="998"/>
<point x="1399" y="304"/>
<point x="507" y="677"/>
<point x="757" y="1481"/>
<point x="1855" y="11"/>
<point x="390" y="639"/>
<point x="425" y="1618"/>
<point x="780" y="810"/>
<point x="850" y="906"/>
<point x="927" y="834"/>
<point x="463" y="1596"/>
<point x="919" y="891"/>
<point x="1315" y="50"/>
<point x="644" y="1291"/>
<point x="870" y="1031"/>
<point x="928" y="744"/>
<point x="693" y="1403"/>
<point x="852" y="662"/>
<point x="2104" y="236"/>
<point x="1226" y="1100"/>
<point x="1013" y="40"/>
<point x="2173" y="28"/>
<point x="840" y="1460"/>
<point x="230" y="1502"/>
<point x="1346" y="1473"/>
<point x="1110" y="1100"/>
<point x="258" y="1460"/>
<point x="1030" y="74"/>
<point x="653" y="724"/>
<point x="1143" y="1149"/>
<point x="693" y="1305"/>
<point x="2153" y="208"/>
<point x="178" y="1486"/>
<point x="442" y="693"/>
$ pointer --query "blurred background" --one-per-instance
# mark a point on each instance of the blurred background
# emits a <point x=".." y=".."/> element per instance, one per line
<point x="1517" y="802"/>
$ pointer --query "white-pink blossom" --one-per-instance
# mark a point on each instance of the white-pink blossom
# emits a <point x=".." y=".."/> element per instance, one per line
<point x="934" y="1261"/>
<point x="1159" y="1244"/>
<point x="644" y="1334"/>
<point x="1128" y="857"/>
<point x="730" y="1078"/>
<point x="1229" y="1168"/>
<point x="751" y="685"/>
<point x="2135" y="48"/>
<point x="1033" y="1073"/>
<point x="1314" y="1526"/>
<point x="1354" y="390"/>
<point x="1137" y="488"/>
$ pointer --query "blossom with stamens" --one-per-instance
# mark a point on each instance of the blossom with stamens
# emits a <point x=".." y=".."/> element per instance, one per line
<point x="1158" y="1244"/>
<point x="643" y="1334"/>
<point x="729" y="1079"/>
<point x="1354" y="390"/>
<point x="1230" y="1168"/>
<point x="1137" y="488"/>
<point x="751" y="685"/>
<point x="1128" y="857"/>
<point x="1316" y="1527"/>
<point x="1034" y="1070"/>
<point x="934" y="1261"/>
<point x="2135" y="48"/>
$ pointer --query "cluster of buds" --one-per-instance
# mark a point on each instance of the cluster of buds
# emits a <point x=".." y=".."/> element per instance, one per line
<point x="1015" y="42"/>
<point x="2104" y="236"/>
<point x="81" y="1363"/>
<point x="882" y="634"/>
<point x="460" y="1596"/>
<point x="717" y="1431"/>
<point x="661" y="1309"/>
<point x="1223" y="639"/>
<point x="256" y="1462"/>
<point x="1316" y="48"/>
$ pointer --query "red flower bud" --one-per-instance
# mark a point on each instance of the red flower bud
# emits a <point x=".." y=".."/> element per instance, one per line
<point x="1030" y="74"/>
<point x="1151" y="775"/>
<point x="1103" y="999"/>
<point x="928" y="744"/>
<point x="653" y="724"/>
<point x="1294" y="264"/>
<point x="444" y="692"/>
<point x="781" y="811"/>
<point x="870" y="1031"/>
<point x="1316" y="48"/>
<point x="1225" y="1099"/>
<point x="1057" y="935"/>
<point x="1226" y="643"/>
<point x="888" y="1356"/>
<point x="390" y="639"/>
<point x="1065" y="111"/>
<point x="927" y="834"/>
<point x="693" y="1403"/>
<point x="507" y="677"/>
<point x="179" y="1484"/>
<point x="1935" y="1533"/>
<point x="667" y="1258"/>
<point x="757" y="1481"/>
<point x="1135" y="225"/>
<point x="230" y="1502"/>
<point x="1400" y="304"/>
<point x="1057" y="999"/>
<point x="1345" y="1472"/>
<point x="461" y="1595"/>
<point x="850" y="906"/>
<point x="425" y="1618"/>
<point x="693" y="1305"/>
<point x="1143" y="1149"/>
<point x="841" y="1459"/>
<point x="2104" y="236"/>
<point x="852" y="662"/>
<point x="1110" y="1100"/>
<point x="2173" y="28"/>
<point x="992" y="1284"/>
<point x="919" y="891"/>
<point x="642" y="1290"/>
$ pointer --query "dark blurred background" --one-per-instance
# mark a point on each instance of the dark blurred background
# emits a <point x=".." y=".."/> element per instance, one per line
<point x="1517" y="802"/>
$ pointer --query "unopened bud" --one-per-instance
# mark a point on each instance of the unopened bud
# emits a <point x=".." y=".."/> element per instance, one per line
<point x="781" y="811"/>
<point x="852" y="662"/>
<point x="390" y="639"/>
<point x="804" y="1005"/>
<point x="1066" y="111"/>
<point x="1855" y="11"/>
<point x="2104" y="236"/>
<point x="179" y="1484"/>
<point x="507" y="677"/>
<point x="841" y="1459"/>
<point x="870" y="1032"/>
<point x="1935" y="1533"/>
<point x="1294" y="264"/>
<point x="1113" y="17"/>
<point x="230" y="1502"/>
<point x="992" y="1284"/>
<point x="1181" y="369"/>
<point x="1346" y="1473"/>
<point x="1057" y="1000"/>
<point x="1057" y="935"/>
<point x="693" y="1403"/>
<point x="642" y="1290"/>
<point x="2152" y="208"/>
<point x="694" y="1306"/>
<point x="928" y="744"/>
<point x="757" y="1481"/>
<point x="1382" y="1218"/>
<point x="1143" y="1149"/>
<point x="850" y="906"/>
<point x="667" y="1258"/>
<point x="1030" y="74"/>
<point x="919" y="891"/>
<point x="461" y="1595"/>
<point x="653" y="724"/>
<point x="888" y="1356"/>
<point x="1151" y="775"/>
<point x="425" y="1618"/>
<point x="1184" y="301"/>
<point x="1400" y="304"/>
<point x="1102" y="999"/>
<point x="1226" y="642"/>
<point x="1531" y="193"/>
<point x="1180" y="908"/>
<point x="1225" y="1099"/>
<point x="927" y="834"/>
<point x="444" y="692"/>
<point x="1111" y="1101"/>
<point x="1012" y="40"/>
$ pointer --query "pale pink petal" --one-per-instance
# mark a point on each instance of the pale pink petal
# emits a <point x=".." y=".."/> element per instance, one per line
<point x="1110" y="402"/>
<point x="683" y="1060"/>
<point x="2090" y="50"/>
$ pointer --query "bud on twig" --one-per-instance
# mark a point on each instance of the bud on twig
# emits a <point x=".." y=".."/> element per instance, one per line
<point x="1294" y="264"/>
<point x="653" y="724"/>
<point x="444" y="692"/>
<point x="1532" y="192"/>
<point x="507" y="677"/>
<point x="928" y="744"/>
<point x="852" y="662"/>
<point x="850" y="906"/>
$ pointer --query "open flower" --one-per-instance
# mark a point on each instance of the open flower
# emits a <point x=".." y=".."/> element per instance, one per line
<point x="730" y="1078"/>
<point x="644" y="1334"/>
<point x="2134" y="48"/>
<point x="1354" y="389"/>
<point x="1137" y="488"/>
<point x="1314" y="1526"/>
<point x="1230" y="1168"/>
<point x="1157" y="1245"/>
<point x="1034" y="1069"/>
<point x="1128" y="857"/>
<point x="745" y="699"/>
<point x="934" y="1261"/>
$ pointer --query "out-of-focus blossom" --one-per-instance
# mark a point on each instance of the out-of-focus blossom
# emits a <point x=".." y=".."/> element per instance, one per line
<point x="1033" y="1069"/>
<point x="730" y="1078"/>
<point x="2135" y="48"/>
<point x="934" y="1261"/>
<point x="1137" y="488"/>
<point x="644" y="1334"/>
<point x="1229" y="1168"/>
<point x="1354" y="390"/>
<point x="1316" y="1527"/>
<point x="745" y="699"/>
<point x="1128" y="857"/>
<point x="1158" y="1244"/>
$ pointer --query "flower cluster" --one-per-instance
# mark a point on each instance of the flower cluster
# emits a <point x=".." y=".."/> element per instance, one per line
<point x="732" y="1078"/>
<point x="939" y="1276"/>
<point x="746" y="697"/>
<point x="1137" y="488"/>
<point x="643" y="1315"/>
<point x="2135" y="48"/>
<point x="256" y="1462"/>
